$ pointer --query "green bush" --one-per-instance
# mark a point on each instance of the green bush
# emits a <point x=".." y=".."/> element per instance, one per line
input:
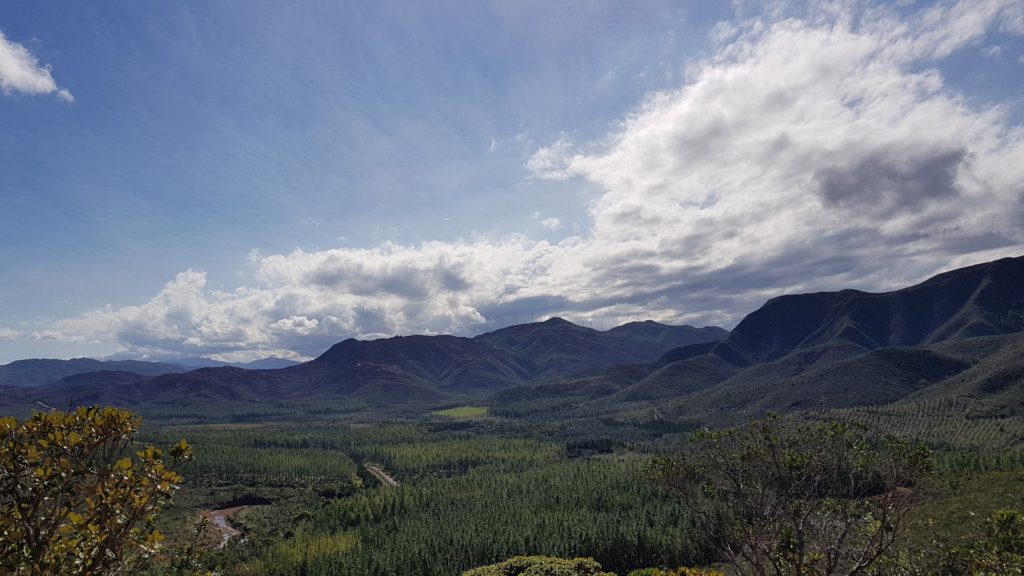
<point x="541" y="566"/>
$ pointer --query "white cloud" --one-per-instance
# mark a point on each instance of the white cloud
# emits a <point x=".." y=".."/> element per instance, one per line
<point x="804" y="154"/>
<point x="8" y="333"/>
<point x="551" y="223"/>
<point x="550" y="162"/>
<point x="21" y="72"/>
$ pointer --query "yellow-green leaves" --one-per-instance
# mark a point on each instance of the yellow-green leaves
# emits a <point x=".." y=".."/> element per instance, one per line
<point x="74" y="499"/>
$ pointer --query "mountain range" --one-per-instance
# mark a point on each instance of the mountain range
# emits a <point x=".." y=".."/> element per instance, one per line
<point x="960" y="333"/>
<point x="38" y="372"/>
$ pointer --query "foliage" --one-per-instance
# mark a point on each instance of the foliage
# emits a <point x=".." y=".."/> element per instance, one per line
<point x="474" y="492"/>
<point x="998" y="551"/>
<point x="306" y="553"/>
<point x="541" y="566"/>
<point x="469" y="496"/>
<point x="780" y="497"/>
<point x="681" y="571"/>
<point x="73" y="500"/>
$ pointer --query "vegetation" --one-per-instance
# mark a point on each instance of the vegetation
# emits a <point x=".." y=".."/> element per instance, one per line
<point x="541" y="566"/>
<point x="682" y="571"/>
<point x="779" y="497"/>
<point x="463" y="412"/>
<point x="1000" y="549"/>
<point x="73" y="499"/>
<point x="565" y="482"/>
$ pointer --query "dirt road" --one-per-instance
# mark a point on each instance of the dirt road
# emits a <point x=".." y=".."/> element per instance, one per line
<point x="382" y="476"/>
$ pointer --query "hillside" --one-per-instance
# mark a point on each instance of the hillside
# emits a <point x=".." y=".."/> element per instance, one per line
<point x="956" y="333"/>
<point x="558" y="347"/>
<point x="982" y="300"/>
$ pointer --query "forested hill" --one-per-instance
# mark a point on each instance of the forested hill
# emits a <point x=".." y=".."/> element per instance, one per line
<point x="957" y="333"/>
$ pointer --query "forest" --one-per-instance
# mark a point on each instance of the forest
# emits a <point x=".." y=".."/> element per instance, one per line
<point x="303" y="494"/>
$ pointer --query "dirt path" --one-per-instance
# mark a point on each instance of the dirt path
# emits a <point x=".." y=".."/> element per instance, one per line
<point x="220" y="524"/>
<point x="382" y="476"/>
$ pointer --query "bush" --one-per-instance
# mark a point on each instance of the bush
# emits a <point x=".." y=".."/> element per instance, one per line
<point x="541" y="566"/>
<point x="780" y="497"/>
<point x="681" y="571"/>
<point x="73" y="499"/>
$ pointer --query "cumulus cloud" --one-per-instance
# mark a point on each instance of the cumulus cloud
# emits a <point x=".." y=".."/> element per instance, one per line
<point x="551" y="223"/>
<point x="807" y="153"/>
<point x="551" y="162"/>
<point x="21" y="72"/>
<point x="8" y="333"/>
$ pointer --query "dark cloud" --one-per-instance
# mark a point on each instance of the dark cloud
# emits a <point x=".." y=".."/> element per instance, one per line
<point x="451" y="280"/>
<point x="977" y="243"/>
<point x="891" y="180"/>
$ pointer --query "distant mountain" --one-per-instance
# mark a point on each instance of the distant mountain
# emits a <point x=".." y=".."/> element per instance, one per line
<point x="272" y="363"/>
<point x="421" y="366"/>
<point x="559" y="347"/>
<point x="958" y="334"/>
<point x="26" y="373"/>
<point x="836" y="349"/>
<point x="982" y="300"/>
<point x="406" y="369"/>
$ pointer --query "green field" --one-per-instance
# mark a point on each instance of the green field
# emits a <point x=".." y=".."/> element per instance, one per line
<point x="463" y="412"/>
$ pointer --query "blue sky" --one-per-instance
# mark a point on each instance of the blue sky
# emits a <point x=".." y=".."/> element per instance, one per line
<point x="243" y="179"/>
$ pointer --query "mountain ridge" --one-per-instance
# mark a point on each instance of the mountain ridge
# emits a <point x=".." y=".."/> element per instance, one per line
<point x="792" y="352"/>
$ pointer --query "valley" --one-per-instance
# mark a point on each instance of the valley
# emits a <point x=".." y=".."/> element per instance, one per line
<point x="435" y="454"/>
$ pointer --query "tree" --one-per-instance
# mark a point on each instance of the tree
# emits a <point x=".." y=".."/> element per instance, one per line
<point x="74" y="500"/>
<point x="541" y="566"/>
<point x="779" y="497"/>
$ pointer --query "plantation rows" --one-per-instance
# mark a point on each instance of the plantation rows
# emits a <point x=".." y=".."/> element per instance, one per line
<point x="474" y="493"/>
<point x="440" y="526"/>
<point x="942" y="424"/>
<point x="468" y="497"/>
<point x="457" y="455"/>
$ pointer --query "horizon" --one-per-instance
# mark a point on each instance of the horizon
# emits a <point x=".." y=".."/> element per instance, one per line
<point x="307" y="359"/>
<point x="197" y="180"/>
<point x="502" y="326"/>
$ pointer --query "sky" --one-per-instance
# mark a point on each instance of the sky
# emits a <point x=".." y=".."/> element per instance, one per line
<point x="244" y="179"/>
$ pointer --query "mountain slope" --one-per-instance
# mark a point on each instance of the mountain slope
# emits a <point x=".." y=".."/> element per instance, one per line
<point x="558" y="347"/>
<point x="448" y="363"/>
<point x="836" y="349"/>
<point x="982" y="300"/>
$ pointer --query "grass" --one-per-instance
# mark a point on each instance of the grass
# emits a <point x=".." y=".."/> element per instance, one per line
<point x="463" y="412"/>
<point x="955" y="506"/>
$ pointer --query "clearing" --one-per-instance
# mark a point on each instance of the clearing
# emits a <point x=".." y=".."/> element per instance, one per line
<point x="463" y="412"/>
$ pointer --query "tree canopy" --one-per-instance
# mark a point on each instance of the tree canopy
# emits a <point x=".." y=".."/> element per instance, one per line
<point x="784" y="497"/>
